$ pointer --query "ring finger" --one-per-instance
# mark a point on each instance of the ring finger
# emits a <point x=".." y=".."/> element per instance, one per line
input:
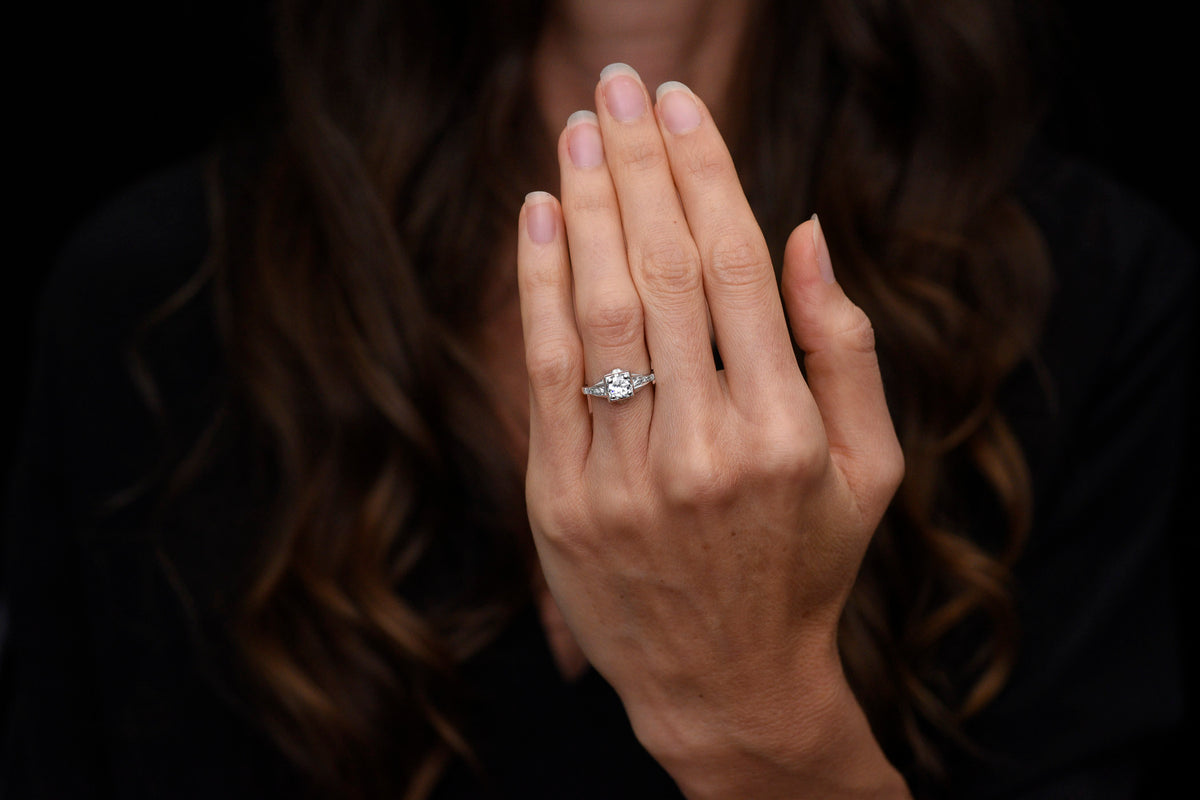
<point x="607" y="306"/>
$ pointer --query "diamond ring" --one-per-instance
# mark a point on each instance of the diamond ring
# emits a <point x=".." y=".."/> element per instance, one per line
<point x="618" y="385"/>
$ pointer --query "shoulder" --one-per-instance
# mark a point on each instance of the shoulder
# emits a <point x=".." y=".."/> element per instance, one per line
<point x="1102" y="419"/>
<point x="1125" y="278"/>
<point x="138" y="246"/>
<point x="1109" y="245"/>
<point x="87" y="411"/>
<point x="99" y="641"/>
<point x="1072" y="196"/>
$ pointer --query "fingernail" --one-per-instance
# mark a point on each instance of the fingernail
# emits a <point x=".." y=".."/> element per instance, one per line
<point x="583" y="140"/>
<point x="540" y="219"/>
<point x="824" y="262"/>
<point x="623" y="93"/>
<point x="678" y="107"/>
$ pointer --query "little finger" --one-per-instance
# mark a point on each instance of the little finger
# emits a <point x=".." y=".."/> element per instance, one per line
<point x="559" y="431"/>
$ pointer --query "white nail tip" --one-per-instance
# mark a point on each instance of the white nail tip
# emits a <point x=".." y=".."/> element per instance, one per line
<point x="670" y="86"/>
<point x="582" y="116"/>
<point x="617" y="68"/>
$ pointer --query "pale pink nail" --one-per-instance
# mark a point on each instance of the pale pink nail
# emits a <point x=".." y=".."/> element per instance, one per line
<point x="678" y="108"/>
<point x="623" y="94"/>
<point x="584" y="145"/>
<point x="540" y="218"/>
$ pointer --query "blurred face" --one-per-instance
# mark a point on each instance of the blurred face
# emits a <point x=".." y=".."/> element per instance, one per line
<point x="696" y="42"/>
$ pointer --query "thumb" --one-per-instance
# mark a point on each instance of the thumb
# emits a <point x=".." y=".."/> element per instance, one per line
<point x="842" y="368"/>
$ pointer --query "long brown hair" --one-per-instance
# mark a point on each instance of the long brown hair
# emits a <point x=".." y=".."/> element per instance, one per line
<point x="355" y="247"/>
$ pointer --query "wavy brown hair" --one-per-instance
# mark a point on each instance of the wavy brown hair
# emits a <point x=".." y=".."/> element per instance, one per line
<point x="355" y="248"/>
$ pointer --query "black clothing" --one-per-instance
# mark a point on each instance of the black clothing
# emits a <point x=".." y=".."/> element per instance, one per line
<point x="108" y="689"/>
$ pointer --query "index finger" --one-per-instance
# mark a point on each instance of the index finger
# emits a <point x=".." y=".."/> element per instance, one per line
<point x="739" y="280"/>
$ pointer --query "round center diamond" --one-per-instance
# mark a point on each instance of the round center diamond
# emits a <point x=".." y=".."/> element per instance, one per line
<point x="618" y="385"/>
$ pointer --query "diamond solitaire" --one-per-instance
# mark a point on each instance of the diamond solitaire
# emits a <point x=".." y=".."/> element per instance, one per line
<point x="618" y="385"/>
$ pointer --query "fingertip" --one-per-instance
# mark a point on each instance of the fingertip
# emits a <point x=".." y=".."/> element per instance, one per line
<point x="678" y="108"/>
<point x="806" y="256"/>
<point x="817" y="306"/>
<point x="581" y="141"/>
<point x="821" y="250"/>
<point x="799" y="258"/>
<point x="541" y="217"/>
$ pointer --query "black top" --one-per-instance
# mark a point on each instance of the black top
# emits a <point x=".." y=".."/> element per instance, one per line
<point x="107" y="692"/>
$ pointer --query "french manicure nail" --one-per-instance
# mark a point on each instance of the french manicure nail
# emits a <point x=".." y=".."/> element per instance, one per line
<point x="678" y="107"/>
<point x="623" y="94"/>
<point x="824" y="262"/>
<point x="540" y="218"/>
<point x="584" y="145"/>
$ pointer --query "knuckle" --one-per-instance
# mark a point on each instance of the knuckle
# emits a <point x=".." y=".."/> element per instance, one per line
<point x="698" y="479"/>
<point x="878" y="478"/>
<point x="879" y="493"/>
<point x="669" y="266"/>
<point x="613" y="322"/>
<point x="796" y="459"/>
<point x="618" y="510"/>
<point x="542" y="277"/>
<point x="561" y="522"/>
<point x="891" y="469"/>
<point x="811" y="462"/>
<point x="857" y="333"/>
<point x="616" y="507"/>
<point x="589" y="203"/>
<point x="709" y="167"/>
<point x="552" y="364"/>
<point x="551" y="509"/>
<point x="738" y="260"/>
<point x="642" y="155"/>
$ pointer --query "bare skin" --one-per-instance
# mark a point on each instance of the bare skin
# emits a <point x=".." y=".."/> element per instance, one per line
<point x="699" y="540"/>
<point x="696" y="42"/>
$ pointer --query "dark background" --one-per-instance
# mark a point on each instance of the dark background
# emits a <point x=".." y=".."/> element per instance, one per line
<point x="109" y="92"/>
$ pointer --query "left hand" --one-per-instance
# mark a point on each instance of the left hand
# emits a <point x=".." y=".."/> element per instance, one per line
<point x="701" y="537"/>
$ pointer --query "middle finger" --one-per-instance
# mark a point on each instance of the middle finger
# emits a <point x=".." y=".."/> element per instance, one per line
<point x="663" y="259"/>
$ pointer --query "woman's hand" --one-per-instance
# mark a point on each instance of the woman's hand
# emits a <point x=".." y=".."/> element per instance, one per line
<point x="702" y="536"/>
